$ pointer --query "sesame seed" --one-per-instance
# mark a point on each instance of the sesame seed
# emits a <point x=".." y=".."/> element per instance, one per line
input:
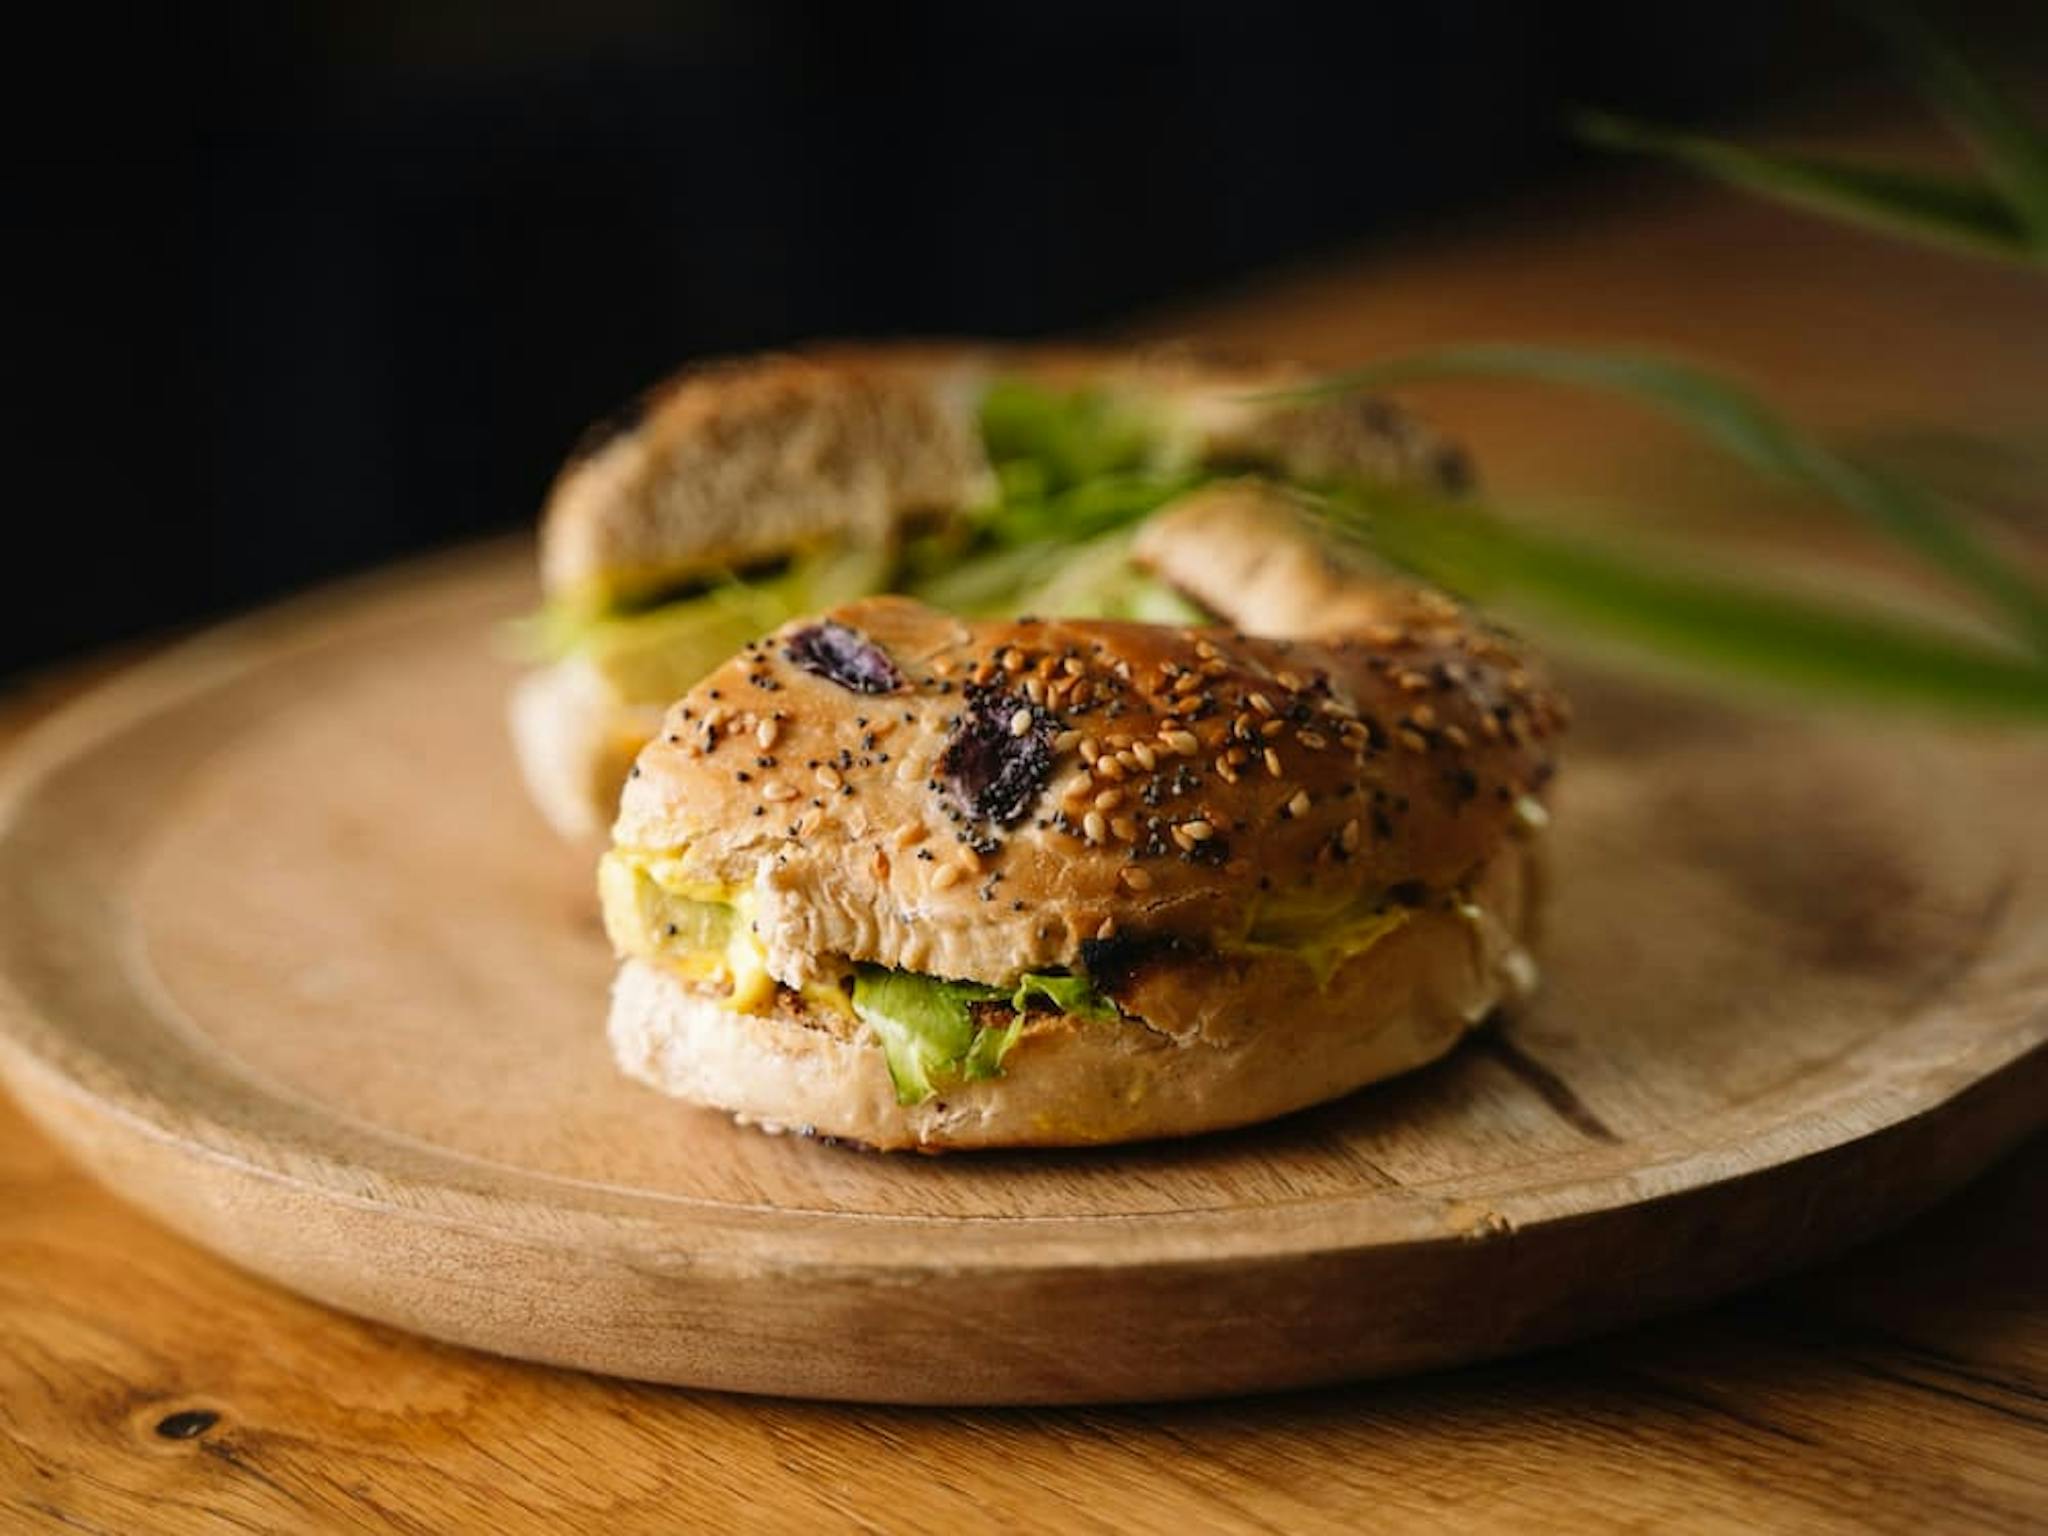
<point x="1315" y="741"/>
<point x="1456" y="736"/>
<point x="1413" y="740"/>
<point x="1201" y="831"/>
<point x="1076" y="787"/>
<point x="829" y="776"/>
<point x="1205" y="650"/>
<point x="1180" y="837"/>
<point x="1298" y="806"/>
<point x="1147" y="760"/>
<point x="1107" y="930"/>
<point x="1073" y="666"/>
<point x="970" y="858"/>
<point x="1272" y="728"/>
<point x="1066" y="741"/>
<point x="1291" y="681"/>
<point x="1117" y="741"/>
<point x="1273" y="762"/>
<point x="778" y="792"/>
<point x="911" y="832"/>
<point x="1348" y="838"/>
<point x="942" y="668"/>
<point x="1109" y="768"/>
<point x="1020" y="722"/>
<point x="946" y="875"/>
<point x="1095" y="827"/>
<point x="765" y="733"/>
<point x="1188" y="683"/>
<point x="1109" y="800"/>
<point x="1089" y="750"/>
<point x="1034" y="690"/>
<point x="1261" y="703"/>
<point x="1225" y="772"/>
<point x="1423" y="715"/>
<point x="1183" y="742"/>
<point x="1135" y="878"/>
<point x="1125" y="828"/>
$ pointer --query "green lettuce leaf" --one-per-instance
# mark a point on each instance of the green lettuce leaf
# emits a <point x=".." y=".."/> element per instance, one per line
<point x="1069" y="994"/>
<point x="1043" y="441"/>
<point x="927" y="1026"/>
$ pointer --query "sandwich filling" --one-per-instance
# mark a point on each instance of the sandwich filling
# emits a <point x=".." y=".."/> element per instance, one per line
<point x="1076" y="472"/>
<point x="935" y="1030"/>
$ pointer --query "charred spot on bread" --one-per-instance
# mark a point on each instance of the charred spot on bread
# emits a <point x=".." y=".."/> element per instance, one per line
<point x="845" y="656"/>
<point x="1114" y="963"/>
<point x="1000" y="755"/>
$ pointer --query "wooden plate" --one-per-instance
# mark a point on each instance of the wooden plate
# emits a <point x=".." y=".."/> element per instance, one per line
<point x="286" y="959"/>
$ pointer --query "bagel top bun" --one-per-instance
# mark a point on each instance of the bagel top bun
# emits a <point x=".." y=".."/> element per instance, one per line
<point x="979" y="800"/>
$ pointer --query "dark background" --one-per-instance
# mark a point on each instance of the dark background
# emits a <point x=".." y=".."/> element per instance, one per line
<point x="310" y="286"/>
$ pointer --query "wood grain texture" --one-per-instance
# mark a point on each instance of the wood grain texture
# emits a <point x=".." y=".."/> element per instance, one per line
<point x="1904" y="1388"/>
<point x="287" y="959"/>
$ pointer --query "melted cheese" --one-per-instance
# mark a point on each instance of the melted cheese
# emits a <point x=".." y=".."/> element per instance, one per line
<point x="1326" y="949"/>
<point x="700" y="930"/>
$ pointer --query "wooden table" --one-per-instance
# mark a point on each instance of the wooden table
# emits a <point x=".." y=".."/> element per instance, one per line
<point x="146" y="1386"/>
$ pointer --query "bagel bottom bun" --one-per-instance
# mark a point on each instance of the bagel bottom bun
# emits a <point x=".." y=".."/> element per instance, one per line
<point x="1253" y="1037"/>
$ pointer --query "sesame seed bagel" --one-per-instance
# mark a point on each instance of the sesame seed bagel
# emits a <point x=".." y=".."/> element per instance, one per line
<point x="1261" y="851"/>
<point x="742" y="464"/>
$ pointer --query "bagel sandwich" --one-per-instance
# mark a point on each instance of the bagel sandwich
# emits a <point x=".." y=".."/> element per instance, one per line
<point x="908" y="879"/>
<point x="987" y="481"/>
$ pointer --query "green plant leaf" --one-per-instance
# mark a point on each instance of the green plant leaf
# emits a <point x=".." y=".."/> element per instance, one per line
<point x="2013" y="152"/>
<point x="1948" y="210"/>
<point x="1748" y="429"/>
<point x="1755" y="635"/>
